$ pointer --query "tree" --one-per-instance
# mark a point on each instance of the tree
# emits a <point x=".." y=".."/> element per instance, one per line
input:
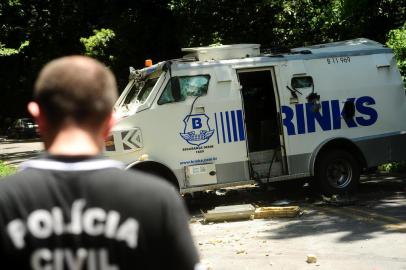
<point x="123" y="33"/>
<point x="397" y="41"/>
<point x="97" y="45"/>
<point x="371" y="18"/>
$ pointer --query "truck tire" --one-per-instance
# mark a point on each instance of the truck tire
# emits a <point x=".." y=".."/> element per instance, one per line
<point x="153" y="169"/>
<point x="337" y="172"/>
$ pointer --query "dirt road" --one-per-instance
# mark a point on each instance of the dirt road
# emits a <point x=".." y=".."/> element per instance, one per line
<point x="14" y="152"/>
<point x="369" y="233"/>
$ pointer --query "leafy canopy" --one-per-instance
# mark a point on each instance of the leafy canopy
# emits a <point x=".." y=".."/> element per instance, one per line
<point x="97" y="44"/>
<point x="397" y="41"/>
<point x="11" y="51"/>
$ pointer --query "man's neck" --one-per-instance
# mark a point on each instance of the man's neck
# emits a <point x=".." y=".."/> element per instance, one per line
<point x="74" y="141"/>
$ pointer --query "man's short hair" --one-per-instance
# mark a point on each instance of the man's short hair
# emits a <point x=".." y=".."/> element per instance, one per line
<point x="75" y="88"/>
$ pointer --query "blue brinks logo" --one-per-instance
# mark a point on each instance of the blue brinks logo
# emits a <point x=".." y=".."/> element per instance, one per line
<point x="197" y="130"/>
<point x="331" y="115"/>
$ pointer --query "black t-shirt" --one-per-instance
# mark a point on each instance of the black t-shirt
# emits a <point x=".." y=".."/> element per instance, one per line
<point x="87" y="213"/>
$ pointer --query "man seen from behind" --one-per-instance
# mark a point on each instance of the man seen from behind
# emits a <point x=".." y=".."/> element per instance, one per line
<point x="72" y="208"/>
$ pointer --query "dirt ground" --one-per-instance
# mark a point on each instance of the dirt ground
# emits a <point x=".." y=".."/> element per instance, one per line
<point x="367" y="232"/>
<point x="14" y="152"/>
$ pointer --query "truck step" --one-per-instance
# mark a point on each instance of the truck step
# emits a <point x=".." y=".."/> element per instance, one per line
<point x="262" y="169"/>
<point x="263" y="156"/>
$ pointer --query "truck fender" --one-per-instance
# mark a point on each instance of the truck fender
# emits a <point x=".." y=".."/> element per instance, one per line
<point x="335" y="142"/>
<point x="155" y="168"/>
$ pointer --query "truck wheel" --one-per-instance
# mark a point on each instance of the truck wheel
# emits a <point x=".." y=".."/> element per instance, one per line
<point x="158" y="171"/>
<point x="337" y="172"/>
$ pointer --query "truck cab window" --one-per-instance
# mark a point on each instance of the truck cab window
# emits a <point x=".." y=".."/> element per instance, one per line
<point x="190" y="86"/>
<point x="146" y="89"/>
<point x="302" y="82"/>
<point x="140" y="95"/>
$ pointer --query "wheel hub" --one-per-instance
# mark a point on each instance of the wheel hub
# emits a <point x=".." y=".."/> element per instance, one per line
<point x="339" y="173"/>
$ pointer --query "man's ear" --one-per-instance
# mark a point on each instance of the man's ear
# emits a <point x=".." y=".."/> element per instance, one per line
<point x="109" y="123"/>
<point x="35" y="111"/>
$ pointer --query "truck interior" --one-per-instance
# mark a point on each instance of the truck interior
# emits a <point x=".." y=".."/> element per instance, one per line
<point x="261" y="119"/>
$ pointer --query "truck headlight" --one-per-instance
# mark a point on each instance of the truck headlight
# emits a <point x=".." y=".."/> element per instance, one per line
<point x="109" y="143"/>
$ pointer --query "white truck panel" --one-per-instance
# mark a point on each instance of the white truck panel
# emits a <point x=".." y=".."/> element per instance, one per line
<point x="349" y="90"/>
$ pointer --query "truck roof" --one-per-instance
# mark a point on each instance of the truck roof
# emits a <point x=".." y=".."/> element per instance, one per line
<point x="360" y="46"/>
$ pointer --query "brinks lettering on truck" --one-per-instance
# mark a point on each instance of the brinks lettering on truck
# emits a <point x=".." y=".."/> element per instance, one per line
<point x="329" y="117"/>
<point x="231" y="115"/>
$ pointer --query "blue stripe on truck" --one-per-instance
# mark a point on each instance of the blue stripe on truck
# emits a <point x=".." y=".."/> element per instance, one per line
<point x="232" y="126"/>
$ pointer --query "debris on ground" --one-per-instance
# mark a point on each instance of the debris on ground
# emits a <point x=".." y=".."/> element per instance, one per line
<point x="230" y="213"/>
<point x="338" y="200"/>
<point x="247" y="212"/>
<point x="221" y="192"/>
<point x="206" y="265"/>
<point x="193" y="220"/>
<point x="281" y="203"/>
<point x="311" y="258"/>
<point x="277" y="211"/>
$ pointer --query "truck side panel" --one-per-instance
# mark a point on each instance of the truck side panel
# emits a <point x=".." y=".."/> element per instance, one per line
<point x="375" y="92"/>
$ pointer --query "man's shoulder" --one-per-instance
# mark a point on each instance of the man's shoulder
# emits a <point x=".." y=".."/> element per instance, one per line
<point x="15" y="183"/>
<point x="17" y="178"/>
<point x="134" y="180"/>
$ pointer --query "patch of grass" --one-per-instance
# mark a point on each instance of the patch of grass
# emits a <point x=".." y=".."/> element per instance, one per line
<point x="6" y="169"/>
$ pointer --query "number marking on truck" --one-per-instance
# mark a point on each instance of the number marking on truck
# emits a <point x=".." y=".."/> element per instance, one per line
<point x="338" y="60"/>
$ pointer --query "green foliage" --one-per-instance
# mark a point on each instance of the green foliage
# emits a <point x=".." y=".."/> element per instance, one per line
<point x="394" y="167"/>
<point x="10" y="51"/>
<point x="7" y="51"/>
<point x="158" y="29"/>
<point x="371" y="18"/>
<point x="397" y="41"/>
<point x="6" y="169"/>
<point x="299" y="20"/>
<point x="97" y="45"/>
<point x="12" y="3"/>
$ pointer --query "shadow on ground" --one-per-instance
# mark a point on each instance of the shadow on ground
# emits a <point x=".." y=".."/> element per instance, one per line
<point x="12" y="141"/>
<point x="16" y="158"/>
<point x="9" y="150"/>
<point x="379" y="206"/>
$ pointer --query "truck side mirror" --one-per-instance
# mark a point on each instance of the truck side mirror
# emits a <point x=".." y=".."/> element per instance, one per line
<point x="175" y="88"/>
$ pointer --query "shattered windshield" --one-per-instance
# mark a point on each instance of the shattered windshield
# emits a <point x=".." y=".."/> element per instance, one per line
<point x="146" y="89"/>
<point x="141" y="83"/>
<point x="139" y="91"/>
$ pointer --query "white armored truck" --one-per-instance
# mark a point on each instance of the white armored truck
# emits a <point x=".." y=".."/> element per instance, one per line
<point x="229" y="115"/>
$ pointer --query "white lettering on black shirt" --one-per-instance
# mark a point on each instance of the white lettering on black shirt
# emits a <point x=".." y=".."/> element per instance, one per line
<point x="93" y="221"/>
<point x="60" y="259"/>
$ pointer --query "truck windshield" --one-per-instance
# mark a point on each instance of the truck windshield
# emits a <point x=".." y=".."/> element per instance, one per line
<point x="140" y="91"/>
